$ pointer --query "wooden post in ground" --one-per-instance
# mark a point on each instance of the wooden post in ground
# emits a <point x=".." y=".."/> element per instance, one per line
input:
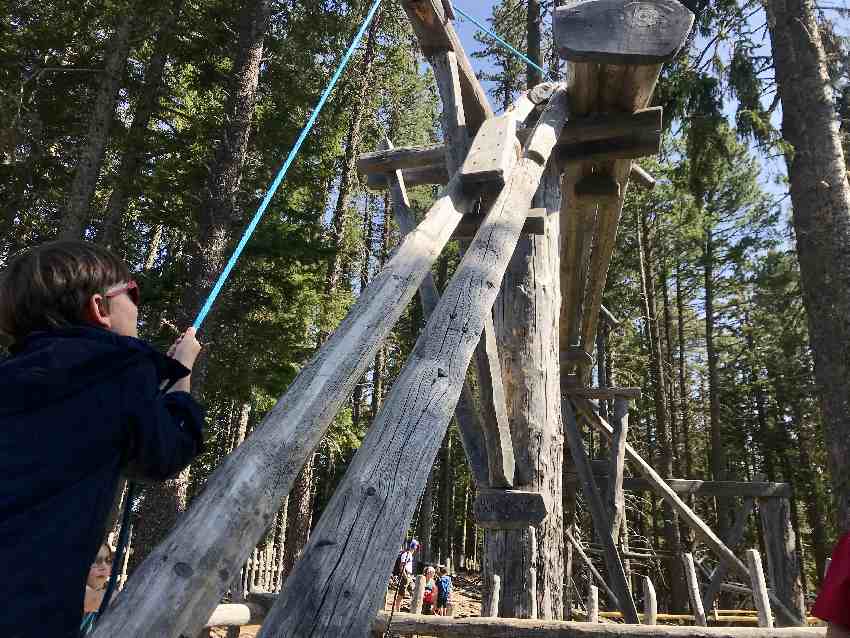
<point x="593" y="604"/>
<point x="492" y="607"/>
<point x="616" y="498"/>
<point x="372" y="506"/>
<point x="736" y="535"/>
<point x="418" y="595"/>
<point x="759" y="586"/>
<point x="693" y="591"/>
<point x="650" y="603"/>
<point x="783" y="566"/>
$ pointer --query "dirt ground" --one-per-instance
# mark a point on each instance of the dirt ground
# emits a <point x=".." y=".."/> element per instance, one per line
<point x="466" y="598"/>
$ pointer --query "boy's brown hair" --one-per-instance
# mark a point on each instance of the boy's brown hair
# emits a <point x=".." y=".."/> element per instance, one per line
<point x="48" y="287"/>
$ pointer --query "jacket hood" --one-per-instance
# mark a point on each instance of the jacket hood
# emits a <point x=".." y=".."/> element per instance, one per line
<point x="48" y="366"/>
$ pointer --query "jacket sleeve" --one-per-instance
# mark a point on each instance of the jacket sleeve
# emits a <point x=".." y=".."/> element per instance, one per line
<point x="163" y="432"/>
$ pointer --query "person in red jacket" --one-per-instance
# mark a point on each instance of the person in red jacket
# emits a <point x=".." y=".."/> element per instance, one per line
<point x="833" y="602"/>
<point x="82" y="401"/>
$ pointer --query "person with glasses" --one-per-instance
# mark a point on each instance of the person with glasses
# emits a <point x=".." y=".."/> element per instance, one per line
<point x="83" y="401"/>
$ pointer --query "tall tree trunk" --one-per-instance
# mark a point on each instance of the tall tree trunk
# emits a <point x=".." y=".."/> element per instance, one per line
<point x="425" y="524"/>
<point x="821" y="212"/>
<point x="123" y="187"/>
<point x="299" y="518"/>
<point x="533" y="76"/>
<point x="526" y="322"/>
<point x="77" y="213"/>
<point x="446" y="499"/>
<point x="164" y="502"/>
<point x="676" y="576"/>
<point x="683" y="384"/>
<point x="667" y="368"/>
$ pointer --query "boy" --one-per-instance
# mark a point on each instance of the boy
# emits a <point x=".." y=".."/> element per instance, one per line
<point x="444" y="591"/>
<point x="80" y="404"/>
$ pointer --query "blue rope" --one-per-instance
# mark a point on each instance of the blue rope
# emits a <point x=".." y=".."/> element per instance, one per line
<point x="501" y="41"/>
<point x="202" y="315"/>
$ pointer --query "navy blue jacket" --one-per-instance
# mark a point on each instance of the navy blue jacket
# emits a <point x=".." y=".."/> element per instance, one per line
<point x="77" y="408"/>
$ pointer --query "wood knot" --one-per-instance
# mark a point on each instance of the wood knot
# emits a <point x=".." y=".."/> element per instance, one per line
<point x="441" y="373"/>
<point x="184" y="570"/>
<point x="370" y="491"/>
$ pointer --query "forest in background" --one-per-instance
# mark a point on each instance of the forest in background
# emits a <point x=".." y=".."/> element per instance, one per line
<point x="154" y="128"/>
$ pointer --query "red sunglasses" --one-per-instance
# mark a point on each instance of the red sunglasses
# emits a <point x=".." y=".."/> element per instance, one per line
<point x="131" y="288"/>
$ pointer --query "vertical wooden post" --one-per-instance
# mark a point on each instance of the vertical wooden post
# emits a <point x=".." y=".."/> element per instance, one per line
<point x="650" y="603"/>
<point x="780" y="546"/>
<point x="693" y="590"/>
<point x="759" y="586"/>
<point x="418" y="595"/>
<point x="826" y="566"/>
<point x="616" y="499"/>
<point x="593" y="604"/>
<point x="492" y="608"/>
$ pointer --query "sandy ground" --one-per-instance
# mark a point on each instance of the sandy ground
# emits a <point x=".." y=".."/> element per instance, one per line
<point x="466" y="597"/>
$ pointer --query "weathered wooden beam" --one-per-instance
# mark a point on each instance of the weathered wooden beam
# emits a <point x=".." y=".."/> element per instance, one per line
<point x="492" y="608"/>
<point x="736" y="535"/>
<point x="613" y="32"/>
<point x="600" y="519"/>
<point x="386" y="160"/>
<point x="608" y="317"/>
<point x="616" y="499"/>
<point x="176" y="588"/>
<point x="493" y="152"/>
<point x="435" y="34"/>
<point x="713" y="488"/>
<point x="445" y="627"/>
<point x="760" y="597"/>
<point x="593" y="604"/>
<point x="236" y="615"/>
<point x="650" y="603"/>
<point x="693" y="590"/>
<point x="574" y="354"/>
<point x="660" y="486"/>
<point x="641" y="177"/>
<point x="416" y="598"/>
<point x="508" y="509"/>
<point x="781" y="553"/>
<point x="535" y="224"/>
<point x="469" y="422"/>
<point x="374" y="503"/>
<point x="598" y="186"/>
<point x="419" y="176"/>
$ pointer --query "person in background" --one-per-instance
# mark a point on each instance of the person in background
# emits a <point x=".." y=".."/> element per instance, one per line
<point x="99" y="573"/>
<point x="404" y="572"/>
<point x="429" y="597"/>
<point x="444" y="591"/>
<point x="833" y="602"/>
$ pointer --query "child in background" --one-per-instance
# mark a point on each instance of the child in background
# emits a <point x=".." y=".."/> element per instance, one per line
<point x="99" y="573"/>
<point x="444" y="591"/>
<point x="429" y="598"/>
<point x="81" y="402"/>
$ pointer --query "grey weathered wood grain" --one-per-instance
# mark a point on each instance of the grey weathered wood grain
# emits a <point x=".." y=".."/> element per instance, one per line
<point x="703" y="531"/>
<point x="397" y="158"/>
<point x="455" y="133"/>
<point x="179" y="584"/>
<point x="593" y="604"/>
<point x="417" y="596"/>
<point x="693" y="591"/>
<point x="535" y="224"/>
<point x="236" y="615"/>
<point x="443" y="627"/>
<point x="419" y="176"/>
<point x="332" y="590"/>
<point x="616" y="499"/>
<point x="508" y="509"/>
<point x="604" y="393"/>
<point x="601" y="520"/>
<point x="435" y="33"/>
<point x="759" y="585"/>
<point x="598" y="186"/>
<point x="469" y="422"/>
<point x="492" y="609"/>
<point x="641" y="177"/>
<point x="493" y="152"/>
<point x="697" y="487"/>
<point x="736" y="535"/>
<point x="621" y="33"/>
<point x="780" y="548"/>
<point x="650" y="603"/>
<point x="618" y="148"/>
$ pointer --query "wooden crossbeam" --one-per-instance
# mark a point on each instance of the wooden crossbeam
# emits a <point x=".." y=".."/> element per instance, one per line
<point x="604" y="393"/>
<point x="493" y="153"/>
<point x="729" y="489"/>
<point x="508" y="509"/>
<point x="535" y="224"/>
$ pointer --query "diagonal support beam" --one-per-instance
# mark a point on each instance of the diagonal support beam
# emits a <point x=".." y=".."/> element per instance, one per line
<point x="601" y="521"/>
<point x="736" y="535"/>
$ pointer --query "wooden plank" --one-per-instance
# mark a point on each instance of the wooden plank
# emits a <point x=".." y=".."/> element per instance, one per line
<point x="435" y="33"/>
<point x="593" y="604"/>
<point x="641" y="177"/>
<point x="492" y="609"/>
<point x="604" y="393"/>
<point x="613" y="32"/>
<point x="618" y="148"/>
<point x="372" y="506"/>
<point x="660" y="486"/>
<point x="616" y="499"/>
<point x="598" y="186"/>
<point x="650" y="603"/>
<point x="213" y="539"/>
<point x="236" y="615"/>
<point x="601" y="520"/>
<point x="492" y="153"/>
<point x="575" y="354"/>
<point x="612" y="597"/>
<point x="643" y="123"/>
<point x="455" y="134"/>
<point x="759" y="586"/>
<point x="693" y="590"/>
<point x="780" y="545"/>
<point x="508" y="509"/>
<point x="535" y="224"/>
<point x="736" y="535"/>
<point x="386" y="160"/>
<point x="713" y="488"/>
<point x="420" y="176"/>
<point x="469" y="423"/>
<point x="476" y="627"/>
